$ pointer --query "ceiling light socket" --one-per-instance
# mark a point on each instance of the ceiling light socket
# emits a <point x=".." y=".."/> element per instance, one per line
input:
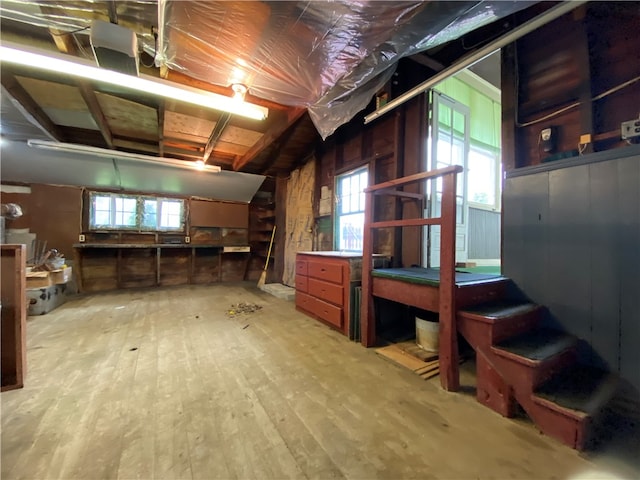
<point x="239" y="91"/>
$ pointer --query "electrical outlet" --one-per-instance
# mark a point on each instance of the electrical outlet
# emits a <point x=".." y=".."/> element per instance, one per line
<point x="187" y="239"/>
<point x="81" y="238"/>
<point x="630" y="129"/>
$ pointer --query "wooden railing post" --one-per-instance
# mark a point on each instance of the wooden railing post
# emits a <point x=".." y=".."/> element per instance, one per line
<point x="449" y="375"/>
<point x="448" y="335"/>
<point x="367" y="315"/>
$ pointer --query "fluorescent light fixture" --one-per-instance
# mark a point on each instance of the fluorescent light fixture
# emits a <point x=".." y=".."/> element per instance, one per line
<point x="105" y="153"/>
<point x="59" y="64"/>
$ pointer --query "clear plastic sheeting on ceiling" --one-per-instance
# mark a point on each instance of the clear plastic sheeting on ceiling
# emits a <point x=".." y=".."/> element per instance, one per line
<point x="76" y="16"/>
<point x="328" y="56"/>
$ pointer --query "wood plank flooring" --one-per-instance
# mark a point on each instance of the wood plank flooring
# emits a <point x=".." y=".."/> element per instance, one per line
<point x="161" y="383"/>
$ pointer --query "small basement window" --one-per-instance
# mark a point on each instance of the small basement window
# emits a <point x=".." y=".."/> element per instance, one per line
<point x="115" y="211"/>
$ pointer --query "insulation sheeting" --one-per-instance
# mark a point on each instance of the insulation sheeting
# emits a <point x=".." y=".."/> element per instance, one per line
<point x="328" y="56"/>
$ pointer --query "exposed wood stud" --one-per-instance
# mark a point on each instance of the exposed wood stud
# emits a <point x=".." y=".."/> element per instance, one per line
<point x="427" y="61"/>
<point x="113" y="11"/>
<point x="90" y="98"/>
<point x="269" y="137"/>
<point x="161" y="128"/>
<point x="216" y="133"/>
<point x="30" y="107"/>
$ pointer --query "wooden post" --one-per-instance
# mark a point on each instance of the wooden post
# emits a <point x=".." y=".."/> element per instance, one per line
<point x="448" y="349"/>
<point x="14" y="316"/>
<point x="367" y="314"/>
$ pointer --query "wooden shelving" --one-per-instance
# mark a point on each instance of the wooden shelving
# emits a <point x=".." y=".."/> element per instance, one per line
<point x="104" y="266"/>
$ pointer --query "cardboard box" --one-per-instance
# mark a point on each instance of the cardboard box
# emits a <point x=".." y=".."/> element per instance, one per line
<point x="38" y="280"/>
<point x="61" y="276"/>
<point x="46" y="279"/>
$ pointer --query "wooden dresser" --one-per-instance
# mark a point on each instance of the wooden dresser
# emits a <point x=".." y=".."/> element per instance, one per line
<point x="326" y="283"/>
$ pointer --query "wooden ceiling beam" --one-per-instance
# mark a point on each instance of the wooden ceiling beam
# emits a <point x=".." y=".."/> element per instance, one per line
<point x="113" y="11"/>
<point x="161" y="128"/>
<point x="183" y="79"/>
<point x="216" y="133"/>
<point x="153" y="148"/>
<point x="90" y="98"/>
<point x="184" y="144"/>
<point x="270" y="136"/>
<point x="66" y="43"/>
<point x="29" y="106"/>
<point x="427" y="61"/>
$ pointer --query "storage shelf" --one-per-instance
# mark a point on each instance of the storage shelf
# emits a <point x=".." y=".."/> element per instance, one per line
<point x="146" y="245"/>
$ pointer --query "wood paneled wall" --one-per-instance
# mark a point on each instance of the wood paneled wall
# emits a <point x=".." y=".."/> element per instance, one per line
<point x="571" y="226"/>
<point x="59" y="214"/>
<point x="391" y="146"/>
<point x="567" y="65"/>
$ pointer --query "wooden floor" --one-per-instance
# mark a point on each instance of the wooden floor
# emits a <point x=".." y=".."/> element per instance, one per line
<point x="164" y="384"/>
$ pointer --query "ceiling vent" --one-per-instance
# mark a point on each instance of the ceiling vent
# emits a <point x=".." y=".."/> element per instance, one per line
<point x="115" y="47"/>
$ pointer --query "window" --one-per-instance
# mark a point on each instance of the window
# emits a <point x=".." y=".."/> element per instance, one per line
<point x="116" y="211"/>
<point x="350" y="209"/>
<point x="484" y="178"/>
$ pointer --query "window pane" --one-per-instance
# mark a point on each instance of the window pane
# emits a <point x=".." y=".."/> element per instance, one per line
<point x="125" y="212"/>
<point x="345" y="183"/>
<point x="101" y="218"/>
<point x="171" y="214"/>
<point x="482" y="177"/>
<point x="150" y="214"/>
<point x="101" y="214"/>
<point x="350" y="231"/>
<point x="102" y="202"/>
<point x="350" y="218"/>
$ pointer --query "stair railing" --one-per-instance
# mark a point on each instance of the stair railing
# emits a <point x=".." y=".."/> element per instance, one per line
<point x="448" y="348"/>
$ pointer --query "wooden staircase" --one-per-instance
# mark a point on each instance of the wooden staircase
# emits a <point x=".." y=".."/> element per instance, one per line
<point x="518" y="362"/>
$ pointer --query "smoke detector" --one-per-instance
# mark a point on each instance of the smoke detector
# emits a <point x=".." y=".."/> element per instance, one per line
<point x="115" y="47"/>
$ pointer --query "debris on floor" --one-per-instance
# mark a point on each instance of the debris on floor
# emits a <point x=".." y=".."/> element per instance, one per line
<point x="242" y="308"/>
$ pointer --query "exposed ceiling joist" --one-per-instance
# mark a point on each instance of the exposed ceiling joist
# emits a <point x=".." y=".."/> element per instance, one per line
<point x="66" y="43"/>
<point x="152" y="148"/>
<point x="216" y="133"/>
<point x="269" y="137"/>
<point x="427" y="61"/>
<point x="113" y="12"/>
<point x="29" y="106"/>
<point x="161" y="128"/>
<point x="91" y="100"/>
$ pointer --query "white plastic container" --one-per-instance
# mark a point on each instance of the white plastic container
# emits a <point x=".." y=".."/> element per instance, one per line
<point x="427" y="334"/>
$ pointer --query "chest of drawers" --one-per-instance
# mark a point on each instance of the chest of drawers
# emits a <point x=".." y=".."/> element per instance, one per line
<point x="325" y="282"/>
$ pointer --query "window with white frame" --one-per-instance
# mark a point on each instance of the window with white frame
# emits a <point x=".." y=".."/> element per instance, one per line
<point x="115" y="211"/>
<point x="350" y="209"/>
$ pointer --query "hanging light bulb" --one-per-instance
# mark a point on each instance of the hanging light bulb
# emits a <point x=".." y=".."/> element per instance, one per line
<point x="239" y="91"/>
<point x="200" y="164"/>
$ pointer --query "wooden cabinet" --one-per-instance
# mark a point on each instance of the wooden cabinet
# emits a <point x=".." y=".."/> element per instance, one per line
<point x="105" y="266"/>
<point x="14" y="316"/>
<point x="325" y="282"/>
